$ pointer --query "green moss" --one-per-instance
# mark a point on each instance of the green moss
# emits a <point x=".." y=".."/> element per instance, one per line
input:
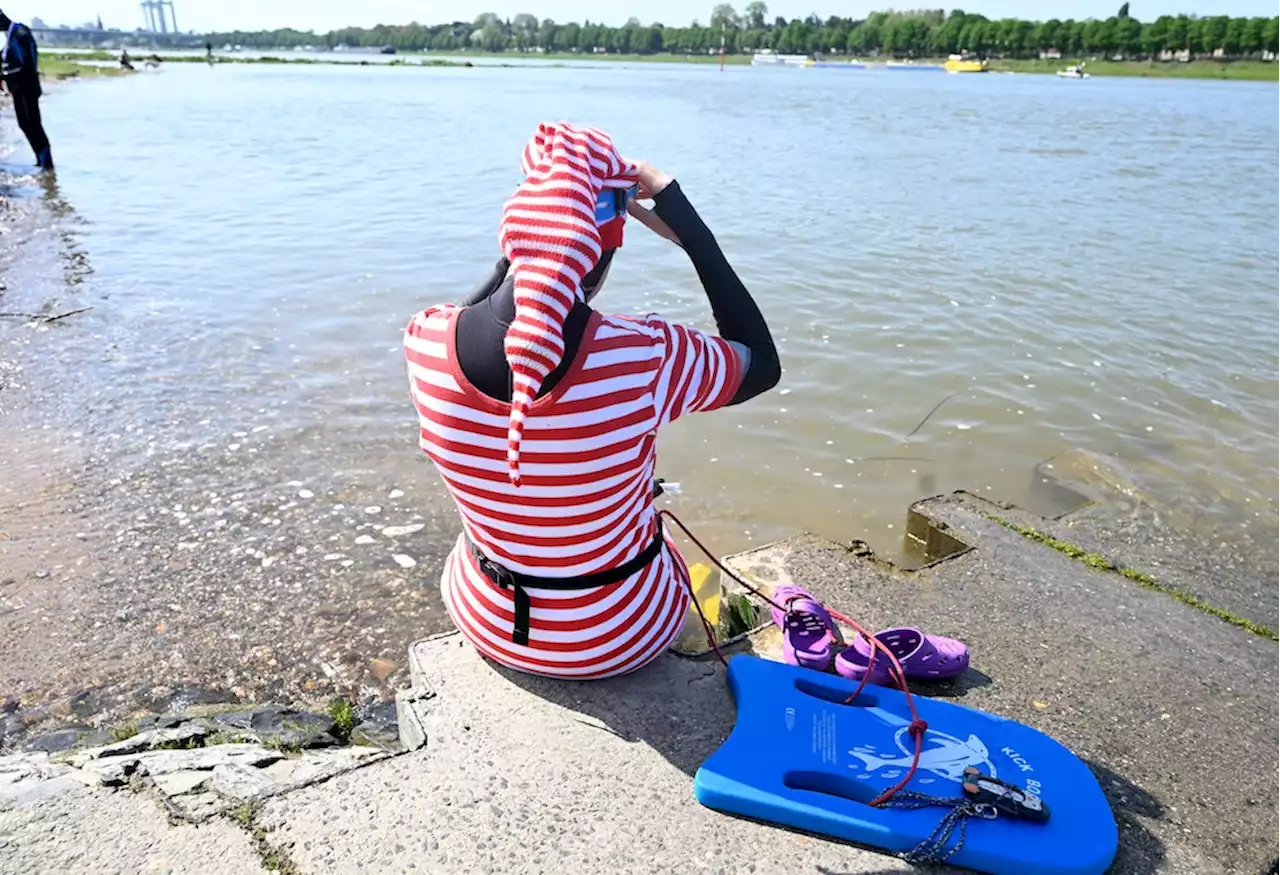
<point x="274" y="859"/>
<point x="275" y="742"/>
<point x="183" y="744"/>
<point x="226" y="737"/>
<point x="246" y="813"/>
<point x="125" y="731"/>
<point x="343" y="715"/>
<point x="1102" y="563"/>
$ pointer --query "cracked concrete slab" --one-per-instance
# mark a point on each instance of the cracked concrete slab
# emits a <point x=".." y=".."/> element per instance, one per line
<point x="89" y="831"/>
<point x="523" y="774"/>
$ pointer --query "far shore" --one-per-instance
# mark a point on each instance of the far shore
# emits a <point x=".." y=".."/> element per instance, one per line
<point x="68" y="64"/>
<point x="1254" y="71"/>
<point x="54" y="66"/>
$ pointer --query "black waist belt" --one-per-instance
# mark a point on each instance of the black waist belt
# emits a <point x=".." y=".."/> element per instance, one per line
<point x="505" y="578"/>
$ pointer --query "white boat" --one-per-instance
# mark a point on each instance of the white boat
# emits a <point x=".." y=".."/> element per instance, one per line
<point x="772" y="59"/>
<point x="1076" y="71"/>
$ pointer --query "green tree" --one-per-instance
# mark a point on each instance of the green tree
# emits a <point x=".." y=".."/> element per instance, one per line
<point x="568" y="38"/>
<point x="1271" y="35"/>
<point x="1022" y="41"/>
<point x="1233" y="37"/>
<point x="547" y="34"/>
<point x="854" y="43"/>
<point x="1213" y="31"/>
<point x="1251" y="38"/>
<point x="1099" y="37"/>
<point x="1128" y="36"/>
<point x="724" y="16"/>
<point x="1074" y="38"/>
<point x="874" y="36"/>
<point x="1047" y="34"/>
<point x="1155" y="35"/>
<point x="931" y="32"/>
<point x="492" y="39"/>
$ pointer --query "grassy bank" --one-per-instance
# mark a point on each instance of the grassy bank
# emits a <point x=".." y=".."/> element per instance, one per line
<point x="413" y="59"/>
<point x="70" y="60"/>
<point x="1257" y="71"/>
<point x="61" y="68"/>
<point x="659" y="58"/>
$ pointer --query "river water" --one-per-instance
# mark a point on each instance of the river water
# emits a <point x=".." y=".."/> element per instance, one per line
<point x="1083" y="264"/>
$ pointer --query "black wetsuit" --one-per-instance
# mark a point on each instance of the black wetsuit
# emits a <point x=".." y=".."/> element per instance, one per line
<point x="491" y="308"/>
<point x="22" y="78"/>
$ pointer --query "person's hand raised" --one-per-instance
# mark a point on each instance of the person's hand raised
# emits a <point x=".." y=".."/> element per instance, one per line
<point x="652" y="180"/>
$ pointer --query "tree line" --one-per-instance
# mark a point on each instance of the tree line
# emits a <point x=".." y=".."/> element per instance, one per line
<point x="924" y="33"/>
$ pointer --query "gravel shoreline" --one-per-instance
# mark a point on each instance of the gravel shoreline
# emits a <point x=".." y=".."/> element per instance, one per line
<point x="143" y="570"/>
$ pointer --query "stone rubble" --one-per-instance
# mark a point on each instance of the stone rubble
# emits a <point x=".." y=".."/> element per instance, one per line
<point x="186" y="761"/>
<point x="287" y="727"/>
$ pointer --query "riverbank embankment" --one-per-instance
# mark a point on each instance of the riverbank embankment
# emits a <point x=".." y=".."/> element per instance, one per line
<point x="1139" y="683"/>
<point x="1236" y="70"/>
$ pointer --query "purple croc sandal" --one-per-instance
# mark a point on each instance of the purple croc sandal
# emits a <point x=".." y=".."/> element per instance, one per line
<point x="923" y="657"/>
<point x="809" y="638"/>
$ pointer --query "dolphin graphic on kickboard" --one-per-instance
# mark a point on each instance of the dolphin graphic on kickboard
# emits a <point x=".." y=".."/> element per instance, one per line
<point x="948" y="757"/>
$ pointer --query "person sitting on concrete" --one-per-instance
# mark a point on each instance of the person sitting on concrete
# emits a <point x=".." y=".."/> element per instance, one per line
<point x="542" y="416"/>
<point x="20" y="71"/>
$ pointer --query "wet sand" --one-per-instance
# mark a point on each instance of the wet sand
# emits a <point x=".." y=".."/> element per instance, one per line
<point x="221" y="572"/>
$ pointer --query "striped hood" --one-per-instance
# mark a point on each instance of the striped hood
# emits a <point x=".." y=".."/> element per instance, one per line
<point x="550" y="236"/>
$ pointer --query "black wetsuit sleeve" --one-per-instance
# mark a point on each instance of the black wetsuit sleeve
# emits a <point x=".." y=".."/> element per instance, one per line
<point x="488" y="285"/>
<point x="735" y="311"/>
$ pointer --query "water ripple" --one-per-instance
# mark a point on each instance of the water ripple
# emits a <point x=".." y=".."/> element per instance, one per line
<point x="1086" y="267"/>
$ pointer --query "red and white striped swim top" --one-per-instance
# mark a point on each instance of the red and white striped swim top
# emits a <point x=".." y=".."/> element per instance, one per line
<point x="585" y="503"/>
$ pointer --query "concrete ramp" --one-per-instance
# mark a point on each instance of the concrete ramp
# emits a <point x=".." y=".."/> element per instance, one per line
<point x="1172" y="707"/>
<point x="520" y="774"/>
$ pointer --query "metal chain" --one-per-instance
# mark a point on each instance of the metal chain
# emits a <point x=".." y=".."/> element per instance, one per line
<point x="934" y="848"/>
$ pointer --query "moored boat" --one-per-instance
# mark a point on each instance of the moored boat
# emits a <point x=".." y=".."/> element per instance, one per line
<point x="961" y="64"/>
<point x="769" y="58"/>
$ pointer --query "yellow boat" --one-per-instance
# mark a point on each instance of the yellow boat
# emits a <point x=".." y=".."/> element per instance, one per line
<point x="957" y="64"/>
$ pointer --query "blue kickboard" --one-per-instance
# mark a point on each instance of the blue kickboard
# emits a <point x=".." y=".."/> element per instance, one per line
<point x="801" y="758"/>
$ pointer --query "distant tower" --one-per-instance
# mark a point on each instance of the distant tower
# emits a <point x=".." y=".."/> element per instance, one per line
<point x="160" y="16"/>
<point x="100" y="27"/>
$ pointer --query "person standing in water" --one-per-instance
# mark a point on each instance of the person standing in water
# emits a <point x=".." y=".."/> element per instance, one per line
<point x="21" y="75"/>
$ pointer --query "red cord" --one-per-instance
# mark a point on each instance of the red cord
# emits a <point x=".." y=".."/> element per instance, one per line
<point x="916" y="728"/>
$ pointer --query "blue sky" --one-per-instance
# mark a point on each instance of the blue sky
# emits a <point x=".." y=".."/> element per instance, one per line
<point x="204" y="15"/>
